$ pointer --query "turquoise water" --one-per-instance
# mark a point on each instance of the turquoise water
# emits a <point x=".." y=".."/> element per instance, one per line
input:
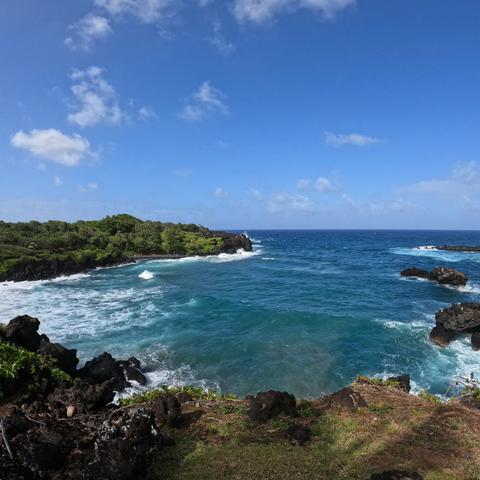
<point x="305" y="312"/>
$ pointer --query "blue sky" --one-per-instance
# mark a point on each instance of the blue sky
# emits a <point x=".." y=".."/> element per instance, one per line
<point x="242" y="113"/>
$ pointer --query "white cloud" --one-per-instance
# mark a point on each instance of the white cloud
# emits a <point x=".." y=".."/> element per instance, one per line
<point x="399" y="206"/>
<point x="57" y="181"/>
<point x="147" y="113"/>
<point x="355" y="139"/>
<point x="89" y="187"/>
<point x="321" y="184"/>
<point x="220" y="192"/>
<point x="88" y="29"/>
<point x="464" y="179"/>
<point x="53" y="145"/>
<point x="147" y="11"/>
<point x="96" y="99"/>
<point x="219" y="42"/>
<point x="259" y="11"/>
<point x="207" y="100"/>
<point x="283" y="202"/>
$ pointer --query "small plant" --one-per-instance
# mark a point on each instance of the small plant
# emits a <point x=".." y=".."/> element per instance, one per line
<point x="380" y="408"/>
<point x="377" y="381"/>
<point x="306" y="409"/>
<point x="279" y="424"/>
<point x="14" y="359"/>
<point x="195" y="393"/>
<point x="426" y="395"/>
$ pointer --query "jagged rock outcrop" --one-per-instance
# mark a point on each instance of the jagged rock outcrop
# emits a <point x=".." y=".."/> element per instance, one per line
<point x="67" y="429"/>
<point x="267" y="405"/>
<point x="442" y="275"/>
<point x="458" y="318"/>
<point x="233" y="242"/>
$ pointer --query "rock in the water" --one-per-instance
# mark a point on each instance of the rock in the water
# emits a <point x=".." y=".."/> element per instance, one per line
<point x="105" y="367"/>
<point x="403" y="382"/>
<point x="415" y="272"/>
<point x="66" y="359"/>
<point x="266" y="405"/>
<point x="448" y="276"/>
<point x="442" y="275"/>
<point x="396" y="475"/>
<point x="23" y="331"/>
<point x="440" y="336"/>
<point x="298" y="434"/>
<point x="476" y="341"/>
<point x="459" y="317"/>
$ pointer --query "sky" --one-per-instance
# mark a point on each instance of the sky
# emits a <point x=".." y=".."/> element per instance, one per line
<point x="242" y="114"/>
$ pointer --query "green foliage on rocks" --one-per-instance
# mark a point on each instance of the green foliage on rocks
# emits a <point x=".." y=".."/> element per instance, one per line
<point x="32" y="250"/>
<point x="193" y="392"/>
<point x="16" y="361"/>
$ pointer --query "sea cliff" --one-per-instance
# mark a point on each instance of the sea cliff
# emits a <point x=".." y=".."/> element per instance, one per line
<point x="41" y="251"/>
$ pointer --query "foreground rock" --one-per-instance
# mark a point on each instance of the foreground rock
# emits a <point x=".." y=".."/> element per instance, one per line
<point x="56" y="426"/>
<point x="456" y="319"/>
<point x="442" y="275"/>
<point x="267" y="405"/>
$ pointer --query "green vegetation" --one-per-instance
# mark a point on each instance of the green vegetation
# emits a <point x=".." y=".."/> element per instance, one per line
<point x="51" y="248"/>
<point x="378" y="381"/>
<point x="426" y="395"/>
<point x="15" y="360"/>
<point x="395" y="431"/>
<point x="194" y="393"/>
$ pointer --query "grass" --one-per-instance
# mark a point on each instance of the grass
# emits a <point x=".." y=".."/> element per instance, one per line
<point x="193" y="392"/>
<point x="395" y="431"/>
<point x="426" y="395"/>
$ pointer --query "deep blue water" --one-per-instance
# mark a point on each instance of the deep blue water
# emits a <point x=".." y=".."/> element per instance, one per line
<point x="305" y="313"/>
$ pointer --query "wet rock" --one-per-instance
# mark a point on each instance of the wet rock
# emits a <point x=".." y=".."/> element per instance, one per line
<point x="476" y="341"/>
<point x="105" y="368"/>
<point x="448" y="276"/>
<point x="403" y="382"/>
<point x="66" y="359"/>
<point x="459" y="317"/>
<point x="442" y="275"/>
<point x="23" y="331"/>
<point x="133" y="373"/>
<point x="440" y="336"/>
<point x="345" y="399"/>
<point x="415" y="272"/>
<point x="396" y="475"/>
<point x="267" y="405"/>
<point x="298" y="434"/>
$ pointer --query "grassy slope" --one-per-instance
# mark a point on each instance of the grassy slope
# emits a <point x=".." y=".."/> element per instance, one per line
<point x="396" y="430"/>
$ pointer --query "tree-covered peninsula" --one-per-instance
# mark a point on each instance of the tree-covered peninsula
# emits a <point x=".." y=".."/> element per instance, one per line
<point x="37" y="251"/>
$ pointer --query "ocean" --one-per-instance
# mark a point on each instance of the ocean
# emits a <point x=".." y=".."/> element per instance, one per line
<point x="305" y="312"/>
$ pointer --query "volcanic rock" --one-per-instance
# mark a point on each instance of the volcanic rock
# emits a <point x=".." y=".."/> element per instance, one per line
<point x="267" y="405"/>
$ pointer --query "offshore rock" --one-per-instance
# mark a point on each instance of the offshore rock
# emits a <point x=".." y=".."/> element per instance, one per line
<point x="459" y="317"/>
<point x="442" y="275"/>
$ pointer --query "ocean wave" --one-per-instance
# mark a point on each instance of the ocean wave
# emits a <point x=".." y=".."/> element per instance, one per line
<point x="267" y="258"/>
<point x="146" y="275"/>
<point x="31" y="284"/>
<point x="443" y="255"/>
<point x="241" y="254"/>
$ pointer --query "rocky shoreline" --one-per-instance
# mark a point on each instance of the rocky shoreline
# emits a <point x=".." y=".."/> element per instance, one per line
<point x="50" y="269"/>
<point x="58" y="422"/>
